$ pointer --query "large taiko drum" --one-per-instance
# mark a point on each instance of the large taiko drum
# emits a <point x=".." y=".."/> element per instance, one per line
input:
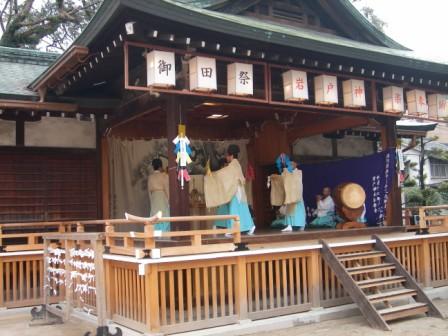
<point x="349" y="199"/>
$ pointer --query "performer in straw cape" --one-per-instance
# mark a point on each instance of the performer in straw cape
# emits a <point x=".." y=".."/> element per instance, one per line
<point x="158" y="190"/>
<point x="225" y="189"/>
<point x="287" y="193"/>
<point x="295" y="217"/>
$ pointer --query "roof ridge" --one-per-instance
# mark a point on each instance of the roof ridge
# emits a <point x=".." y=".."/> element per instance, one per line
<point x="29" y="56"/>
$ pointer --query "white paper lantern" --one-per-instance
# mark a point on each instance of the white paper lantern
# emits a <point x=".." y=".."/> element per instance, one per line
<point x="161" y="70"/>
<point x="393" y="99"/>
<point x="295" y="85"/>
<point x="417" y="105"/>
<point x="438" y="106"/>
<point x="326" y="89"/>
<point x="240" y="79"/>
<point x="203" y="74"/>
<point x="354" y="93"/>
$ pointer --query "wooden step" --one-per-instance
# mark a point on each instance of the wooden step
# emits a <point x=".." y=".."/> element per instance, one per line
<point x="393" y="295"/>
<point x="361" y="255"/>
<point x="370" y="268"/>
<point x="378" y="282"/>
<point x="403" y="311"/>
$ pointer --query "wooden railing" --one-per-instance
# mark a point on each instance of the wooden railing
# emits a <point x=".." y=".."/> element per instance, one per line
<point x="143" y="243"/>
<point x="29" y="236"/>
<point x="427" y="218"/>
<point x="189" y="294"/>
<point x="185" y="292"/>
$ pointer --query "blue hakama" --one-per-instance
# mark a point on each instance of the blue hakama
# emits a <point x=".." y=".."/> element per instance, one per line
<point x="297" y="218"/>
<point x="238" y="208"/>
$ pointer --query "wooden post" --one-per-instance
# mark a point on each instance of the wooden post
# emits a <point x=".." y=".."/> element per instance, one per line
<point x="1" y="281"/>
<point x="109" y="274"/>
<point x="314" y="278"/>
<point x="179" y="199"/>
<point x="152" y="298"/>
<point x="425" y="263"/>
<point x="150" y="242"/>
<point x="389" y="140"/>
<point x="69" y="244"/>
<point x="45" y="286"/>
<point x="105" y="178"/>
<point x="422" y="218"/>
<point x="109" y="228"/>
<point x="241" y="288"/>
<point x="374" y="95"/>
<point x="236" y="231"/>
<point x="100" y="282"/>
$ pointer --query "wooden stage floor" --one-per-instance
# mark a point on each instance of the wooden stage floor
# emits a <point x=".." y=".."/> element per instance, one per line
<point x="275" y="237"/>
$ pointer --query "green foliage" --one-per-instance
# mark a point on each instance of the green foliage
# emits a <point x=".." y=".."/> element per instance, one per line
<point x="370" y="15"/>
<point x="409" y="183"/>
<point x="418" y="197"/>
<point x="52" y="23"/>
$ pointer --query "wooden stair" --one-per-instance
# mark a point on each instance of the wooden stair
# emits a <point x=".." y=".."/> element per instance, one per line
<point x="362" y="275"/>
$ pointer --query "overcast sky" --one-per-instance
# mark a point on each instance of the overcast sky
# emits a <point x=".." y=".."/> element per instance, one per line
<point x="419" y="25"/>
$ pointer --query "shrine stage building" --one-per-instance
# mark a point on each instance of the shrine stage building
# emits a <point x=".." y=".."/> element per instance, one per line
<point x="102" y="105"/>
<point x="312" y="79"/>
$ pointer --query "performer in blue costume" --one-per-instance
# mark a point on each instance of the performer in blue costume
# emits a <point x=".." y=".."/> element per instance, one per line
<point x="232" y="175"/>
<point x="158" y="191"/>
<point x="295" y="216"/>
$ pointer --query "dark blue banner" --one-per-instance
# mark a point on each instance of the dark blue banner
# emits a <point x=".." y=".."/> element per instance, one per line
<point x="374" y="173"/>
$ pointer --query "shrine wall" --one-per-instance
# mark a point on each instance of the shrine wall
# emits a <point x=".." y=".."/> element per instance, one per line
<point x="7" y="133"/>
<point x="60" y="132"/>
<point x="319" y="146"/>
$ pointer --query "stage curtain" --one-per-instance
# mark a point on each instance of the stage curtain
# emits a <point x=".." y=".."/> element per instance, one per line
<point x="130" y="165"/>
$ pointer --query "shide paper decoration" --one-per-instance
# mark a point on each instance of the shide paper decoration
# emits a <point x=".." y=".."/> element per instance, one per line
<point x="183" y="151"/>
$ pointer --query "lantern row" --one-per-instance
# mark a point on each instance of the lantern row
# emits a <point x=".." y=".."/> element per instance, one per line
<point x="161" y="72"/>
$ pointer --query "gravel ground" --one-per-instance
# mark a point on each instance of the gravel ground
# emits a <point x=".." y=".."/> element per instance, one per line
<point x="357" y="326"/>
<point x="16" y="323"/>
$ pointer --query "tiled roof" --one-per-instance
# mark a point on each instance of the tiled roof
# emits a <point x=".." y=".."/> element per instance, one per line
<point x="19" y="67"/>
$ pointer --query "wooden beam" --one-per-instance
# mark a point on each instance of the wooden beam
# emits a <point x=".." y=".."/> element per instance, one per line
<point x="69" y="60"/>
<point x="37" y="106"/>
<point x="105" y="178"/>
<point x="133" y="109"/>
<point x="326" y="126"/>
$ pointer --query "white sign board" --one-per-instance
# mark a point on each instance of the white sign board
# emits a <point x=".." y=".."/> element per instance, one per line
<point x="393" y="99"/>
<point x="240" y="79"/>
<point x="438" y="107"/>
<point x="417" y="105"/>
<point x="161" y="70"/>
<point x="202" y="74"/>
<point x="354" y="93"/>
<point x="326" y="89"/>
<point x="295" y="85"/>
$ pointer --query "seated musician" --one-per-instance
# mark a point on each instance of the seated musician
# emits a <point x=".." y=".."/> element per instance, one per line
<point x="325" y="210"/>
